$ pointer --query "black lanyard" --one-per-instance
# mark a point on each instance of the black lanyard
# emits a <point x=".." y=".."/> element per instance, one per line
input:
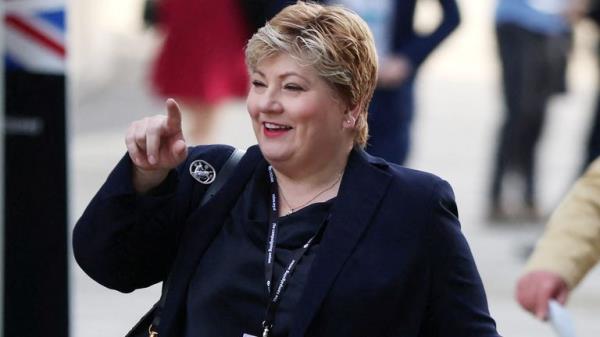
<point x="275" y="296"/>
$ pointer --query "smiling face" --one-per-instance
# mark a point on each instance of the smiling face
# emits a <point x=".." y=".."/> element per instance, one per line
<point x="298" y="118"/>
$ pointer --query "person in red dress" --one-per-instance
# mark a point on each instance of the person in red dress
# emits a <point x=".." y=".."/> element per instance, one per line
<point x="201" y="62"/>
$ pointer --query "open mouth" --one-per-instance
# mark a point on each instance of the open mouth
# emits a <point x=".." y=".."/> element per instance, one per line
<point x="273" y="129"/>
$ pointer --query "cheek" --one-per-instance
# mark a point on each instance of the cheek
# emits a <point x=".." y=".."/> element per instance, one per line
<point x="252" y="108"/>
<point x="309" y="111"/>
<point x="322" y="117"/>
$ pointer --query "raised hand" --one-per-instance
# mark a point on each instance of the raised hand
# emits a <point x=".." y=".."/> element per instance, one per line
<point x="155" y="146"/>
<point x="393" y="71"/>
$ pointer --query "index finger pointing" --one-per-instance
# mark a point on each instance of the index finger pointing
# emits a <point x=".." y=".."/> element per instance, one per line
<point x="173" y="116"/>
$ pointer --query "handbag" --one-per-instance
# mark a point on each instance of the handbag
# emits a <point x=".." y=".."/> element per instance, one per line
<point x="147" y="326"/>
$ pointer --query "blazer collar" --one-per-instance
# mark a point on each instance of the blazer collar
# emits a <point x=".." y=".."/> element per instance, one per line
<point x="363" y="186"/>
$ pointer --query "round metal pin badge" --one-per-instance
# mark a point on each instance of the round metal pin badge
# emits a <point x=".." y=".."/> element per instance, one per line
<point x="202" y="171"/>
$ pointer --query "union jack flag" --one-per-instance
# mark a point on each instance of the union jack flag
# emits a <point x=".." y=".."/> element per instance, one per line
<point x="35" y="36"/>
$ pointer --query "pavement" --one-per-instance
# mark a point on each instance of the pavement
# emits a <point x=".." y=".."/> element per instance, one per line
<point x="459" y="109"/>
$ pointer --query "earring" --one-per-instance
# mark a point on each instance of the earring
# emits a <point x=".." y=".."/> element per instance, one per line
<point x="350" y="121"/>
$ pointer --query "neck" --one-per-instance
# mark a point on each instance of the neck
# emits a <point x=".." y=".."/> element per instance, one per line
<point x="310" y="174"/>
<point x="299" y="186"/>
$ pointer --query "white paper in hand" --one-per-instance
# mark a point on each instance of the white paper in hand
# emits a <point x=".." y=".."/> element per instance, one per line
<point x="561" y="320"/>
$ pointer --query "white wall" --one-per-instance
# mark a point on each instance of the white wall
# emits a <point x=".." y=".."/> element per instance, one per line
<point x="99" y="33"/>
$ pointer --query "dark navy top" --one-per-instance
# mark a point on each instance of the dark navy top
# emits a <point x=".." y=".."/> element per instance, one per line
<point x="392" y="260"/>
<point x="227" y="295"/>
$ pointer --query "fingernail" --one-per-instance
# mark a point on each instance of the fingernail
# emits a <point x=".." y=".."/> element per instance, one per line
<point x="152" y="160"/>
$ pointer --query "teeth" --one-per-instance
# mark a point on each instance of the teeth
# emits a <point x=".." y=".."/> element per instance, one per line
<point x="275" y="126"/>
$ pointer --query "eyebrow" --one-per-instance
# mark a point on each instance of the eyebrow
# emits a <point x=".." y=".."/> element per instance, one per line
<point x="286" y="74"/>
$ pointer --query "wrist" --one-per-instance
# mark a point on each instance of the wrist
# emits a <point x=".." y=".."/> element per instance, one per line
<point x="145" y="180"/>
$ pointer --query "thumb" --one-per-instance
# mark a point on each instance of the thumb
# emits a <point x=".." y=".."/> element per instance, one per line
<point x="541" y="304"/>
<point x="173" y="116"/>
<point x="562" y="295"/>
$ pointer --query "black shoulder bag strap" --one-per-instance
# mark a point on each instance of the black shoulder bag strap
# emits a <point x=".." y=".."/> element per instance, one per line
<point x="148" y="325"/>
<point x="223" y="176"/>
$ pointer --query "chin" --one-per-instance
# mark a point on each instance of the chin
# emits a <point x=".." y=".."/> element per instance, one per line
<point x="275" y="154"/>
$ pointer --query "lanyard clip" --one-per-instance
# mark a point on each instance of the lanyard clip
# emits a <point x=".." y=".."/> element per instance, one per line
<point x="267" y="329"/>
<point x="152" y="332"/>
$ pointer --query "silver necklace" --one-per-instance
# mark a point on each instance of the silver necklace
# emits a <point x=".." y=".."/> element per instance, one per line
<point x="293" y="209"/>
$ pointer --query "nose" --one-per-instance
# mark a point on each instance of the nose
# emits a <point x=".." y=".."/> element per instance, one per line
<point x="270" y="101"/>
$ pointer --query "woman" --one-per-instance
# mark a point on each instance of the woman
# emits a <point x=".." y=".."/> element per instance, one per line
<point x="311" y="236"/>
<point x="203" y="70"/>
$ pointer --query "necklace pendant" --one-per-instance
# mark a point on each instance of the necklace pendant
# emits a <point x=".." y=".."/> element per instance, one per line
<point x="265" y="332"/>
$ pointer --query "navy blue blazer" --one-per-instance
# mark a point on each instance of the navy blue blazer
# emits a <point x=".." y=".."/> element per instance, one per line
<point x="392" y="261"/>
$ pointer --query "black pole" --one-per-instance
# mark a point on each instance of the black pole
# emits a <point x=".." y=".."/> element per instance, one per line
<point x="35" y="203"/>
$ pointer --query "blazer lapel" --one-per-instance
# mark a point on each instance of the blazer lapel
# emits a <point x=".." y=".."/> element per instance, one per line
<point x="362" y="188"/>
<point x="196" y="238"/>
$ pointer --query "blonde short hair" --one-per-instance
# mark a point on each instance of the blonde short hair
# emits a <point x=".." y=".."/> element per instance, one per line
<point x="335" y="41"/>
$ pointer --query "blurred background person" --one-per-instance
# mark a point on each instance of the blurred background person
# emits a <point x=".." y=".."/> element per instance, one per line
<point x="401" y="51"/>
<point x="534" y="38"/>
<point x="568" y="249"/>
<point x="201" y="62"/>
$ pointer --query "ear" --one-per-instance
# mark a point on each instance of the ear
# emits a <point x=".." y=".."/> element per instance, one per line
<point x="351" y="116"/>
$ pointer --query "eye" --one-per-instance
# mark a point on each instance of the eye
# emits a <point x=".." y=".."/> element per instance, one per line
<point x="293" y="87"/>
<point x="257" y="83"/>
